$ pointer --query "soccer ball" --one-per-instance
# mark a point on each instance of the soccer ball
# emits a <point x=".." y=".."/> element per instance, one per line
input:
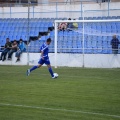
<point x="56" y="75"/>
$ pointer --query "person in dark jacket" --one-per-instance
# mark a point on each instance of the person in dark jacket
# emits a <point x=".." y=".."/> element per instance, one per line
<point x="7" y="48"/>
<point x="115" y="43"/>
<point x="13" y="49"/>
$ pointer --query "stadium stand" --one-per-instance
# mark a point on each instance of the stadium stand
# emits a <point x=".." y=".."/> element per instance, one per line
<point x="16" y="28"/>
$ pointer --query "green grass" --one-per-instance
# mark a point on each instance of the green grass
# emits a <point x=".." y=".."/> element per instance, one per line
<point x="74" y="92"/>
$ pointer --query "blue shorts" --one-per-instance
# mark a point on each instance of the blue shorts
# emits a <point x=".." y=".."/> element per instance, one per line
<point x="46" y="61"/>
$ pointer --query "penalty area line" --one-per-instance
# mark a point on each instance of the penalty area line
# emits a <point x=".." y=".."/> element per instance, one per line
<point x="63" y="110"/>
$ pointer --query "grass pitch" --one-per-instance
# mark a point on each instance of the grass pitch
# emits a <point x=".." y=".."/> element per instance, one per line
<point x="77" y="94"/>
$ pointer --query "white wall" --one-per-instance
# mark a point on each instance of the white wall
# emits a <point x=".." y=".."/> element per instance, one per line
<point x="13" y="61"/>
<point x="52" y="10"/>
<point x="71" y="60"/>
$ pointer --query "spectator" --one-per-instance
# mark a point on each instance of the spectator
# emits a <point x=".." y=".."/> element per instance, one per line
<point x="62" y="26"/>
<point x="6" y="50"/>
<point x="75" y="25"/>
<point x="21" y="48"/>
<point x="115" y="42"/>
<point x="72" y="25"/>
<point x="13" y="49"/>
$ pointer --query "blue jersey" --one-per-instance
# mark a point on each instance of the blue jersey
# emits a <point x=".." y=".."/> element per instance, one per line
<point x="45" y="50"/>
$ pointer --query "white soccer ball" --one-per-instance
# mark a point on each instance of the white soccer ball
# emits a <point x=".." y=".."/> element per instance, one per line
<point x="55" y="74"/>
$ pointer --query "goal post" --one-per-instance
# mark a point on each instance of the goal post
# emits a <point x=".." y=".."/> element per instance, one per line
<point x="55" y="45"/>
<point x="87" y="29"/>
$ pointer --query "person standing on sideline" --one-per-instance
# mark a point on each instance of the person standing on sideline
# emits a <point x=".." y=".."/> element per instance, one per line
<point x="115" y="43"/>
<point x="21" y="48"/>
<point x="44" y="59"/>
<point x="7" y="48"/>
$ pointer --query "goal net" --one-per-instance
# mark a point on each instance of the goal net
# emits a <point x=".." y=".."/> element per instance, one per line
<point x="90" y="37"/>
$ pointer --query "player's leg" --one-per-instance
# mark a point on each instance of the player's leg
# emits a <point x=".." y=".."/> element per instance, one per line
<point x="50" y="70"/>
<point x="47" y="62"/>
<point x="40" y="63"/>
<point x="33" y="68"/>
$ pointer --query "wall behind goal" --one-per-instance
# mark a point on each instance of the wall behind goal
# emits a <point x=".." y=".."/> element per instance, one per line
<point x="71" y="60"/>
<point x="50" y="11"/>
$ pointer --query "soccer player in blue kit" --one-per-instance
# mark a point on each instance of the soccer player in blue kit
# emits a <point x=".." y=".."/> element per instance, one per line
<point x="44" y="59"/>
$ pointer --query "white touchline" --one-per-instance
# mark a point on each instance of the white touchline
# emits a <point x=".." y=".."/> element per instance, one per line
<point x="55" y="109"/>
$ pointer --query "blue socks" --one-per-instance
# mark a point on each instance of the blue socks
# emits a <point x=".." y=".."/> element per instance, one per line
<point x="51" y="72"/>
<point x="33" y="68"/>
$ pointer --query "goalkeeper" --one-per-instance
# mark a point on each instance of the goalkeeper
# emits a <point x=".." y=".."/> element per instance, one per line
<point x="44" y="59"/>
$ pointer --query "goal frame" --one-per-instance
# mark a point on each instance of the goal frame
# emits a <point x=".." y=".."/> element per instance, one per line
<point x="77" y="21"/>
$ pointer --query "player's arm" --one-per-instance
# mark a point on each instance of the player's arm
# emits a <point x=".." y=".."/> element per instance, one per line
<point x="42" y="51"/>
<point x="42" y="55"/>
